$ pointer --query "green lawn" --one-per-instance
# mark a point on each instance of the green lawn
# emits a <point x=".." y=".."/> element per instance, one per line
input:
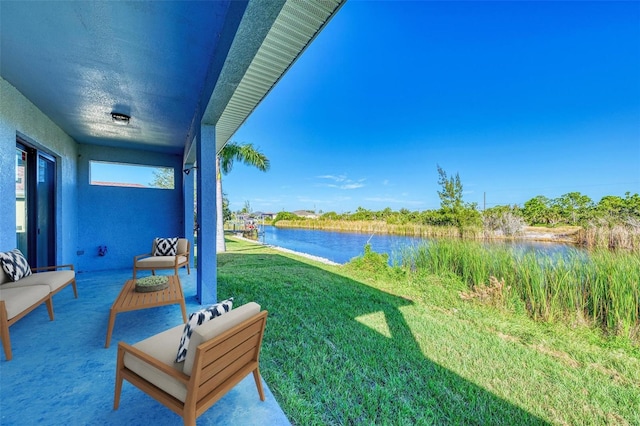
<point x="354" y="346"/>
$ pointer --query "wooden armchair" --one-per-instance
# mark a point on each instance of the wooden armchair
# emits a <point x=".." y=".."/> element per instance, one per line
<point x="153" y="261"/>
<point x="221" y="352"/>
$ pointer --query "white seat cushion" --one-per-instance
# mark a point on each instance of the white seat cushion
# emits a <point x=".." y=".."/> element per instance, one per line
<point x="163" y="347"/>
<point x="53" y="279"/>
<point x="159" y="261"/>
<point x="17" y="300"/>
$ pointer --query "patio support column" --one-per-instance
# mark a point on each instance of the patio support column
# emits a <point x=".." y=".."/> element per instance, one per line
<point x="188" y="197"/>
<point x="207" y="285"/>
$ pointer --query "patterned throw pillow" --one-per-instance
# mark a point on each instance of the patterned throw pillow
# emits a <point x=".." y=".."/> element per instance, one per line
<point x="15" y="265"/>
<point x="199" y="318"/>
<point x="166" y="247"/>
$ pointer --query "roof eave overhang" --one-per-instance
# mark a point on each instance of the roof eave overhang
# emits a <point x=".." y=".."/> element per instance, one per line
<point x="268" y="42"/>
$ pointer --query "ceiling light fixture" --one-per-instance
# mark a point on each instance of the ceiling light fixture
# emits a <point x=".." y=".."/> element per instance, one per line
<point x="119" y="118"/>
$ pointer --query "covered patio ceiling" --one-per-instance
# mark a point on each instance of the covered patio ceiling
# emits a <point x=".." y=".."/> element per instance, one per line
<point x="171" y="66"/>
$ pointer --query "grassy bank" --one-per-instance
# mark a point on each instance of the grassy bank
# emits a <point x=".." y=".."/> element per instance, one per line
<point x="354" y="345"/>
<point x="601" y="287"/>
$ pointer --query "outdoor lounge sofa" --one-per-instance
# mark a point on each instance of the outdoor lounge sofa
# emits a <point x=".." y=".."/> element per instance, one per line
<point x="19" y="297"/>
<point x="221" y="352"/>
<point x="166" y="253"/>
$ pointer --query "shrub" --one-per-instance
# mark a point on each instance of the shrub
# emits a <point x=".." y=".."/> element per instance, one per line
<point x="370" y="261"/>
<point x="285" y="216"/>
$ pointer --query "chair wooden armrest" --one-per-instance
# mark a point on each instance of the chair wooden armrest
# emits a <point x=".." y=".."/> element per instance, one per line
<point x="185" y="253"/>
<point x="140" y="256"/>
<point x="51" y="268"/>
<point x="176" y="260"/>
<point x="125" y="347"/>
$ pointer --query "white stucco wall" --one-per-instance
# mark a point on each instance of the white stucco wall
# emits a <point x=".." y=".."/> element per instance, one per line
<point x="18" y="116"/>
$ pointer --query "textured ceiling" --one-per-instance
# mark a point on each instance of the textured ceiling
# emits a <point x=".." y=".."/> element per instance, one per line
<point x="79" y="61"/>
<point x="170" y="65"/>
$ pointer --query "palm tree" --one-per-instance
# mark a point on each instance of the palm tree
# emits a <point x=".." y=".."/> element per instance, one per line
<point x="224" y="163"/>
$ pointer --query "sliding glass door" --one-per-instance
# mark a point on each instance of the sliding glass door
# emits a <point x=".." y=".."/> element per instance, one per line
<point x="35" y="205"/>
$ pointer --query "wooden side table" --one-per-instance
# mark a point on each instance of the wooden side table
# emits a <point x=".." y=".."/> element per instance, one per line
<point x="131" y="300"/>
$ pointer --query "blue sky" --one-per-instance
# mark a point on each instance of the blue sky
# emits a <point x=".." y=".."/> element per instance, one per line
<point x="520" y="98"/>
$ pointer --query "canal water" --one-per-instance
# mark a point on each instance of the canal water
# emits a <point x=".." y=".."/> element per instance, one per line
<point x="340" y="247"/>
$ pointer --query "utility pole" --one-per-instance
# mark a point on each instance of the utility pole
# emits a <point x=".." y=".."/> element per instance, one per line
<point x="484" y="202"/>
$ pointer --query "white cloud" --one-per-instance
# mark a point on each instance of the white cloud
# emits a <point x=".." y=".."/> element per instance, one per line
<point x="334" y="178"/>
<point x="352" y="185"/>
<point x="341" y="182"/>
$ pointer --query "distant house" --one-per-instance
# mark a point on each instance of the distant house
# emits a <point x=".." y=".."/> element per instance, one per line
<point x="263" y="215"/>
<point x="306" y="214"/>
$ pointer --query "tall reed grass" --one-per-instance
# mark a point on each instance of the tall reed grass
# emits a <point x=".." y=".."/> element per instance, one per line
<point x="618" y="236"/>
<point x="381" y="227"/>
<point x="601" y="287"/>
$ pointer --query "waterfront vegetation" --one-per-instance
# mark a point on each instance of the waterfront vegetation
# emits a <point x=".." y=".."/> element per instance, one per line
<point x="599" y="288"/>
<point x="436" y="341"/>
<point x="613" y="222"/>
<point x="381" y="227"/>
<point x="371" y="227"/>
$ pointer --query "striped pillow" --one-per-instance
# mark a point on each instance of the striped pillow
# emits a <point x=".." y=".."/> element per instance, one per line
<point x="198" y="318"/>
<point x="15" y="265"/>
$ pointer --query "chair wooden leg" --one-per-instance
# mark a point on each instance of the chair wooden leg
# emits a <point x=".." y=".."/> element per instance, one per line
<point x="75" y="288"/>
<point x="118" y="388"/>
<point x="183" y="307"/>
<point x="49" y="303"/>
<point x="256" y="376"/>
<point x="6" y="343"/>
<point x="4" y="332"/>
<point x="189" y="417"/>
<point x="112" y="320"/>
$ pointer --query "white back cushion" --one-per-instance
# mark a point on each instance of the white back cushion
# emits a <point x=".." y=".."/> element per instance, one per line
<point x="215" y="327"/>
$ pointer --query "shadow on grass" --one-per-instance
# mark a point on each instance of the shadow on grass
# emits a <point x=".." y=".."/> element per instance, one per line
<point x="337" y="351"/>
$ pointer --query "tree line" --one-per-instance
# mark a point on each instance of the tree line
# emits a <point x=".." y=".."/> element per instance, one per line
<point x="571" y="209"/>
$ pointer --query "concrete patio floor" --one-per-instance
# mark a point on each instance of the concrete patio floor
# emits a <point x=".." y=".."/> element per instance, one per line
<point x="61" y="373"/>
